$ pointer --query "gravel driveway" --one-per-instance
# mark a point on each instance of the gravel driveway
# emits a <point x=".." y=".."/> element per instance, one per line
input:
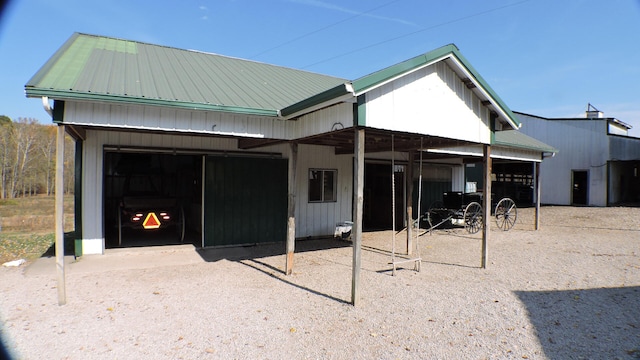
<point x="568" y="291"/>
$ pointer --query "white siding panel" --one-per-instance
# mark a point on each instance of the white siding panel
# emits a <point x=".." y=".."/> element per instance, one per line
<point x="319" y="219"/>
<point x="624" y="148"/>
<point x="214" y="123"/>
<point x="431" y="101"/>
<point x="335" y="117"/>
<point x="457" y="178"/>
<point x="92" y="219"/>
<point x="582" y="145"/>
<point x="157" y="118"/>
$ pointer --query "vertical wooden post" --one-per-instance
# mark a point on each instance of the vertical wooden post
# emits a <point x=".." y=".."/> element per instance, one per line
<point x="358" y="196"/>
<point x="291" y="208"/>
<point x="486" y="199"/>
<point x="538" y="193"/>
<point x="59" y="216"/>
<point x="409" y="186"/>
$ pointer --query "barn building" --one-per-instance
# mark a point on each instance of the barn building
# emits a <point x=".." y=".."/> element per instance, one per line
<point x="598" y="163"/>
<point x="241" y="152"/>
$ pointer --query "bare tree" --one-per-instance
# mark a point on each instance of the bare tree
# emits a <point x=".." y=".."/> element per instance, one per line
<point x="6" y="146"/>
<point x="27" y="158"/>
<point x="47" y="148"/>
<point x="24" y="134"/>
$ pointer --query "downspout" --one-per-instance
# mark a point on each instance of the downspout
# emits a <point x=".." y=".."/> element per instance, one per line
<point x="47" y="106"/>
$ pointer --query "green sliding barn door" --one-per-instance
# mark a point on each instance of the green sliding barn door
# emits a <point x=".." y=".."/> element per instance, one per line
<point x="245" y="200"/>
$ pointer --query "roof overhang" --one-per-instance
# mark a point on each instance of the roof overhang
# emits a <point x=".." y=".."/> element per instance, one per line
<point x="621" y="123"/>
<point x="341" y="93"/>
<point x="111" y="98"/>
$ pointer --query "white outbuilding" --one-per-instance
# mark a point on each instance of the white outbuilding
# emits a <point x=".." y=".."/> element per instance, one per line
<point x="234" y="152"/>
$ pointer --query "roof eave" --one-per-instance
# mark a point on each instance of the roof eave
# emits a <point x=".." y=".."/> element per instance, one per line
<point x="504" y="112"/>
<point x="524" y="147"/>
<point x="110" y="98"/>
<point x="340" y="93"/>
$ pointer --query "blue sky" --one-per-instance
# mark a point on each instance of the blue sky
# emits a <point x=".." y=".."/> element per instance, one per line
<point x="544" y="57"/>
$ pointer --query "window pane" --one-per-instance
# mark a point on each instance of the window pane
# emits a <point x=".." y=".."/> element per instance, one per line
<point x="315" y="185"/>
<point x="329" y="185"/>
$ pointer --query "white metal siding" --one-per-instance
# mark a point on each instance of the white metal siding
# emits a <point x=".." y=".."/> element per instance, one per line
<point x="212" y="123"/>
<point x="624" y="148"/>
<point x="617" y="129"/>
<point x="319" y="219"/>
<point x="431" y="101"/>
<point x="457" y="180"/>
<point x="157" y="118"/>
<point x="582" y="145"/>
<point x="335" y="117"/>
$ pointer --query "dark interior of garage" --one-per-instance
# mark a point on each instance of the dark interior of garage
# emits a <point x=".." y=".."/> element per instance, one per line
<point x="152" y="198"/>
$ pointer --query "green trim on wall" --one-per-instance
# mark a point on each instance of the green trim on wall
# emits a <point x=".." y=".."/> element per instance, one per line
<point x="58" y="111"/>
<point x="360" y="111"/>
<point x="77" y="195"/>
<point x="492" y="127"/>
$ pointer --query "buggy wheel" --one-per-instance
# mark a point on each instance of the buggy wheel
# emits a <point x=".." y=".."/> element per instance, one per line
<point x="506" y="214"/>
<point x="473" y="218"/>
<point x="180" y="225"/>
<point x="436" y="205"/>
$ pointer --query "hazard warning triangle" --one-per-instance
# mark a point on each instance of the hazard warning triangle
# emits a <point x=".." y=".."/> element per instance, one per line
<point x="151" y="221"/>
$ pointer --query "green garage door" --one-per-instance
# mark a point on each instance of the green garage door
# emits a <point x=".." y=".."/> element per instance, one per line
<point x="245" y="200"/>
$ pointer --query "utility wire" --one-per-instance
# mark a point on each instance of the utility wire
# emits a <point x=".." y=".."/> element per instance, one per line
<point x="416" y="32"/>
<point x="322" y="29"/>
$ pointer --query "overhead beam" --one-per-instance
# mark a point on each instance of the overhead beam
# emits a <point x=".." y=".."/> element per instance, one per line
<point x="252" y="143"/>
<point x="76" y="132"/>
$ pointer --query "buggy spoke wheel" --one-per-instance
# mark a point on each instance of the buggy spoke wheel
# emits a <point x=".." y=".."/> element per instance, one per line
<point x="473" y="218"/>
<point x="506" y="214"/>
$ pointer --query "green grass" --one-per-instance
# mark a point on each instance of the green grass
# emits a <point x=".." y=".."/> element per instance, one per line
<point x="27" y="227"/>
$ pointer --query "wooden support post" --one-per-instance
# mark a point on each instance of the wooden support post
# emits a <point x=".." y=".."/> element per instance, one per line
<point x="486" y="199"/>
<point x="358" y="196"/>
<point x="291" y="208"/>
<point x="59" y="216"/>
<point x="409" y="186"/>
<point x="538" y="193"/>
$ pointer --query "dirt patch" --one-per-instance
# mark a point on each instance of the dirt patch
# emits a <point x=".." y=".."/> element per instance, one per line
<point x="569" y="290"/>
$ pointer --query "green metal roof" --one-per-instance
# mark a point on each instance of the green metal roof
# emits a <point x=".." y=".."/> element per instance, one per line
<point x="516" y="139"/>
<point x="89" y="67"/>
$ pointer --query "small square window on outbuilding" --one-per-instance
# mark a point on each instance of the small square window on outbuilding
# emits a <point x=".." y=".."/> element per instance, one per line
<point x="322" y="185"/>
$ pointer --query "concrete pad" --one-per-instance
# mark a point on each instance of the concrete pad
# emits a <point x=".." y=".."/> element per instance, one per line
<point x="119" y="259"/>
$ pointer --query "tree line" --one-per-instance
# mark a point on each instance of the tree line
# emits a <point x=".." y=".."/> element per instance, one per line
<point x="28" y="158"/>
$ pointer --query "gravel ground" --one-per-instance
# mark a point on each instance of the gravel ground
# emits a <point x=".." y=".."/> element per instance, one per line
<point x="568" y="291"/>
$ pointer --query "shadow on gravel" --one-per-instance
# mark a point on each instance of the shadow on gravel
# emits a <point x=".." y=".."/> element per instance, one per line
<point x="250" y="252"/>
<point x="586" y="324"/>
<point x="273" y="272"/>
<point x="248" y="255"/>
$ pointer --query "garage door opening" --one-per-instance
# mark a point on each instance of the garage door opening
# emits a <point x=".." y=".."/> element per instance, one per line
<point x="152" y="199"/>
